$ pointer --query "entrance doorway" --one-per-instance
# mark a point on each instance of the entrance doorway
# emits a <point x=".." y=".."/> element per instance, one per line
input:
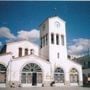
<point x="34" y="79"/>
<point x="31" y="75"/>
<point x="74" y="77"/>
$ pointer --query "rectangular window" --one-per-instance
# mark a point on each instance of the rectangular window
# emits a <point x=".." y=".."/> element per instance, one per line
<point x="44" y="41"/>
<point x="62" y="39"/>
<point x="29" y="78"/>
<point x="2" y="77"/>
<point x="58" y="55"/>
<point x="52" y="38"/>
<point x="41" y="42"/>
<point x="57" y="39"/>
<point x="20" y="52"/>
<point x="26" y="51"/>
<point x="39" y="77"/>
<point x="23" y="78"/>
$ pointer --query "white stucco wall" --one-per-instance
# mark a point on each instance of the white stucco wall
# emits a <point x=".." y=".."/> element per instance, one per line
<point x="5" y="59"/>
<point x="14" y="48"/>
<point x="44" y="52"/>
<point x="17" y="65"/>
<point x="67" y="65"/>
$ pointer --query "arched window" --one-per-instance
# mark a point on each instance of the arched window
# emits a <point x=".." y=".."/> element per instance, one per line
<point x="62" y="39"/>
<point x="2" y="73"/>
<point x="26" y="51"/>
<point x="59" y="75"/>
<point x="20" y="52"/>
<point x="41" y="42"/>
<point x="57" y="39"/>
<point x="74" y="75"/>
<point x="32" y="51"/>
<point x="52" y="38"/>
<point x="32" y="74"/>
<point x="44" y="40"/>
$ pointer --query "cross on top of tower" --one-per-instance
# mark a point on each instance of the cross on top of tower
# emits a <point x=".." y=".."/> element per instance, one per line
<point x="55" y="11"/>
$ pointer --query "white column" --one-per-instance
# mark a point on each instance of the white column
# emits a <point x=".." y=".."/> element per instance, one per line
<point x="67" y="78"/>
<point x="80" y="77"/>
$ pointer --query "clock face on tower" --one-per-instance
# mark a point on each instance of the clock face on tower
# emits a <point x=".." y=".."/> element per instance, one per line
<point x="57" y="24"/>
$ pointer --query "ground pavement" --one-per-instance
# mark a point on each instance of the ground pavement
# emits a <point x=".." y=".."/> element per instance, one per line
<point x="48" y="88"/>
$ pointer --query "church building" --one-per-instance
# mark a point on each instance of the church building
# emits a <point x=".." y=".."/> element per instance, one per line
<point x="24" y="64"/>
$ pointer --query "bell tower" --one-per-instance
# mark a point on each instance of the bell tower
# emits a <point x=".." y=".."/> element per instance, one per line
<point x="53" y="39"/>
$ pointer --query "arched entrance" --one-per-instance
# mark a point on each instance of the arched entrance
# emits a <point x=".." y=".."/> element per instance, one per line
<point x="59" y="75"/>
<point x="2" y="74"/>
<point x="31" y="74"/>
<point x="74" y="76"/>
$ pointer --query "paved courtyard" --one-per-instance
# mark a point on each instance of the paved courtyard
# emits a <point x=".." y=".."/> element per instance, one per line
<point x="48" y="88"/>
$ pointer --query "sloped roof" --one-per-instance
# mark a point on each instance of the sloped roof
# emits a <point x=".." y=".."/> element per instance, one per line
<point x="52" y="18"/>
<point x="21" y="41"/>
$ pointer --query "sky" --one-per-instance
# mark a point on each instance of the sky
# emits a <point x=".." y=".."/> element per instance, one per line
<point x="21" y="20"/>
